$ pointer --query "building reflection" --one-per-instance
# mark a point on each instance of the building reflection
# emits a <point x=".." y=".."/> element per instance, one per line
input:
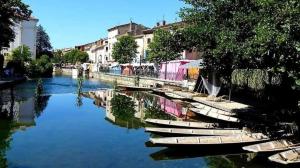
<point x="16" y="113"/>
<point x="145" y="106"/>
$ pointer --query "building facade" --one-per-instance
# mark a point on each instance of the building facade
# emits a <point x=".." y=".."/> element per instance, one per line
<point x="25" y="34"/>
<point x="131" y="29"/>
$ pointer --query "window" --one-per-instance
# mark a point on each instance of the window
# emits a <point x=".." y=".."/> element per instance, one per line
<point x="148" y="40"/>
<point x="106" y="49"/>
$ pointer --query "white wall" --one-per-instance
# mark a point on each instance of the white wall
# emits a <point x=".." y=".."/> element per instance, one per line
<point x="29" y="35"/>
<point x="112" y="39"/>
<point x="25" y="34"/>
<point x="140" y="49"/>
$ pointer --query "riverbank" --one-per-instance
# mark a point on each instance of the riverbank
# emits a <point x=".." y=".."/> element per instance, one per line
<point x="126" y="80"/>
<point x="8" y="82"/>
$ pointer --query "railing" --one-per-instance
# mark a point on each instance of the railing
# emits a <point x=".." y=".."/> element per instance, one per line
<point x="154" y="74"/>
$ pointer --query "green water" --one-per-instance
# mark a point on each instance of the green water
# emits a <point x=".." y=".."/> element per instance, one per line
<point x="59" y="132"/>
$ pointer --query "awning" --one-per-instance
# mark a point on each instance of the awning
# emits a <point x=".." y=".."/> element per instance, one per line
<point x="193" y="64"/>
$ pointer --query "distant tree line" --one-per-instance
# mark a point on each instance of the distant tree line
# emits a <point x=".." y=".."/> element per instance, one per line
<point x="74" y="56"/>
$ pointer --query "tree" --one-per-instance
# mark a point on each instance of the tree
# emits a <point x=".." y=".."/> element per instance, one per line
<point x="125" y="50"/>
<point x="43" y="44"/>
<point x="21" y="54"/>
<point x="76" y="55"/>
<point x="18" y="58"/>
<point x="57" y="57"/>
<point x="11" y="12"/>
<point x="41" y="67"/>
<point x="246" y="34"/>
<point x="163" y="48"/>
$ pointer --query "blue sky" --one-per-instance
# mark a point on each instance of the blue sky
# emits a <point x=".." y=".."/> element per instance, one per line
<point x="73" y="22"/>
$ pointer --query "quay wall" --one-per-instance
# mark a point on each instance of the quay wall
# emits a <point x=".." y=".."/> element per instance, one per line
<point x="62" y="71"/>
<point x="127" y="80"/>
<point x="131" y="80"/>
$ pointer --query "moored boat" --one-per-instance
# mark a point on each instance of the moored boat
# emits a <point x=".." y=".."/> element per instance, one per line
<point x="174" y="96"/>
<point x="186" y="124"/>
<point x="212" y="113"/>
<point x="288" y="157"/>
<point x="241" y="139"/>
<point x="200" y="132"/>
<point x="134" y="88"/>
<point x="272" y="146"/>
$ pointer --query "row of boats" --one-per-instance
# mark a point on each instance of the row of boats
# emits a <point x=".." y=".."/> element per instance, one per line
<point x="197" y="134"/>
<point x="201" y="134"/>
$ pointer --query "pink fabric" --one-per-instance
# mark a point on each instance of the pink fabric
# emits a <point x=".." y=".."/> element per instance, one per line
<point x="174" y="72"/>
<point x="171" y="107"/>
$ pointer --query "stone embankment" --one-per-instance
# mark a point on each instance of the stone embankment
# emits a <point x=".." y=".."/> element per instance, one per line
<point x="126" y="80"/>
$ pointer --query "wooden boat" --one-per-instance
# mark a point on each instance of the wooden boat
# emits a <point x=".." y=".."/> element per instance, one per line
<point x="213" y="113"/>
<point x="174" y="96"/>
<point x="183" y="131"/>
<point x="161" y="90"/>
<point x="288" y="157"/>
<point x="134" y="88"/>
<point x="272" y="146"/>
<point x="240" y="139"/>
<point x="202" y="106"/>
<point x="182" y="123"/>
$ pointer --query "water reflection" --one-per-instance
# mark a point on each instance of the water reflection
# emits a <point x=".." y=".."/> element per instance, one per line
<point x="130" y="109"/>
<point x="16" y="113"/>
<point x="79" y="92"/>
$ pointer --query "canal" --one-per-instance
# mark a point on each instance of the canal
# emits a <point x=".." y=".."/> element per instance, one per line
<point x="62" y="128"/>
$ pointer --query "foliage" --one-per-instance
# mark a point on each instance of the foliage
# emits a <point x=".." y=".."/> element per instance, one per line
<point x="5" y="140"/>
<point x="39" y="88"/>
<point x="155" y="112"/>
<point x="41" y="67"/>
<point x="18" y="58"/>
<point x="163" y="47"/>
<point x="122" y="107"/>
<point x="21" y="54"/>
<point x="11" y="12"/>
<point x="125" y="50"/>
<point x="79" y="91"/>
<point x="43" y="43"/>
<point x="38" y="98"/>
<point x="246" y="34"/>
<point x="57" y="57"/>
<point x="255" y="79"/>
<point x="75" y="56"/>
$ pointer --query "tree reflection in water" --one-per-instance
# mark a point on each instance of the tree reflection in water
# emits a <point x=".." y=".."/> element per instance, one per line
<point x="155" y="112"/>
<point x="79" y="91"/>
<point x="40" y="101"/>
<point x="17" y="112"/>
<point x="5" y="138"/>
<point x="123" y="107"/>
<point x="219" y="162"/>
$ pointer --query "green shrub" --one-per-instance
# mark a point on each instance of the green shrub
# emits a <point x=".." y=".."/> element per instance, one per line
<point x="41" y="67"/>
<point x="18" y="58"/>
